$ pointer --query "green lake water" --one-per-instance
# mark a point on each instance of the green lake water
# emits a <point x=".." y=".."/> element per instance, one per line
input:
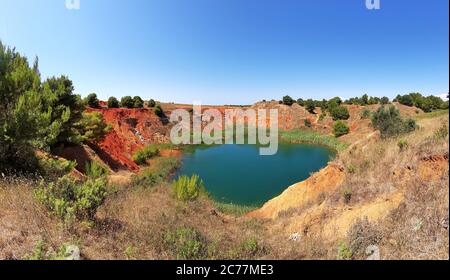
<point x="238" y="174"/>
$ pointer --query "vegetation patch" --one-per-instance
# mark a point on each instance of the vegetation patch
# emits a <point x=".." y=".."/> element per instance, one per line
<point x="188" y="188"/>
<point x="312" y="137"/>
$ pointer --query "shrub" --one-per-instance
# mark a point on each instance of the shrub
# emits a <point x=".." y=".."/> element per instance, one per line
<point x="42" y="252"/>
<point x="69" y="200"/>
<point x="188" y="188"/>
<point x="92" y="127"/>
<point x="389" y="122"/>
<point x="322" y="116"/>
<point x="340" y="128"/>
<point x="113" y="102"/>
<point x="53" y="168"/>
<point x="339" y="113"/>
<point x="250" y="246"/>
<point x="185" y="243"/>
<point x="351" y="169"/>
<point x="159" y="111"/>
<point x="347" y="194"/>
<point x="148" y="152"/>
<point x="361" y="235"/>
<point x="138" y="102"/>
<point x="287" y="100"/>
<point x="365" y="114"/>
<point x="94" y="170"/>
<point x="384" y="100"/>
<point x="301" y="102"/>
<point x="310" y="106"/>
<point x="344" y="253"/>
<point x="442" y="132"/>
<point x="151" y="103"/>
<point x="127" y="102"/>
<point x="402" y="144"/>
<point x="308" y="123"/>
<point x="92" y="100"/>
<point x="157" y="173"/>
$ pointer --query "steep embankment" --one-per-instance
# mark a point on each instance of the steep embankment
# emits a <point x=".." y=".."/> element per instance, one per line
<point x="132" y="130"/>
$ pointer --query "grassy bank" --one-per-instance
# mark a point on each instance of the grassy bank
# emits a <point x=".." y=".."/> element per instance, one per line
<point x="312" y="137"/>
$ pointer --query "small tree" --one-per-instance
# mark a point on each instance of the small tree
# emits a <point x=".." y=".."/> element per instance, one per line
<point x="92" y="127"/>
<point x="384" y="100"/>
<point x="92" y="100"/>
<point x="339" y="113"/>
<point x="151" y="103"/>
<point x="287" y="100"/>
<point x="340" y="128"/>
<point x="390" y="123"/>
<point x="138" y="102"/>
<point x="159" y="111"/>
<point x="301" y="102"/>
<point x="113" y="102"/>
<point x="310" y="106"/>
<point x="127" y="102"/>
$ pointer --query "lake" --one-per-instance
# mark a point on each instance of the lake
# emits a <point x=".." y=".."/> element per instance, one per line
<point x="238" y="174"/>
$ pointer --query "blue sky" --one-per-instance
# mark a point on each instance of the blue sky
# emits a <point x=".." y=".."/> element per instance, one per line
<point x="235" y="51"/>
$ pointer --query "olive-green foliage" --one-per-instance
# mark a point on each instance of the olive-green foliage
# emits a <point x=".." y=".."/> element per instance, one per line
<point x="339" y="113"/>
<point x="402" y="144"/>
<point x="344" y="252"/>
<point x="138" y="102"/>
<point x="162" y="168"/>
<point x="188" y="188"/>
<point x="340" y="128"/>
<point x="54" y="168"/>
<point x="95" y="170"/>
<point x="127" y="102"/>
<point x="312" y="137"/>
<point x="301" y="102"/>
<point x="234" y="209"/>
<point x="365" y="114"/>
<point x="92" y="101"/>
<point x="113" y="102"/>
<point x="390" y="123"/>
<point x="151" y="103"/>
<point x="42" y="252"/>
<point x="148" y="152"/>
<point x="92" y="127"/>
<point x="32" y="114"/>
<point x="287" y="100"/>
<point x="185" y="243"/>
<point x="427" y="104"/>
<point x="70" y="200"/>
<point x="310" y="106"/>
<point x="159" y="111"/>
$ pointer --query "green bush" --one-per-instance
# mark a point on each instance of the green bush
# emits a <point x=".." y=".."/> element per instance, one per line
<point x="95" y="170"/>
<point x="41" y="252"/>
<point x="301" y="102"/>
<point x="188" y="188"/>
<point x="340" y="128"/>
<point x="185" y="243"/>
<point x="148" y="152"/>
<point x="402" y="144"/>
<point x="151" y="103"/>
<point x="92" y="100"/>
<point x="53" y="168"/>
<point x="339" y="113"/>
<point x="127" y="102"/>
<point x="344" y="252"/>
<point x="113" y="102"/>
<point x="310" y="106"/>
<point x="287" y="100"/>
<point x="365" y="114"/>
<point x="159" y="111"/>
<point x="138" y="102"/>
<point x="389" y="122"/>
<point x="92" y="127"/>
<point x="69" y="200"/>
<point x="308" y="123"/>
